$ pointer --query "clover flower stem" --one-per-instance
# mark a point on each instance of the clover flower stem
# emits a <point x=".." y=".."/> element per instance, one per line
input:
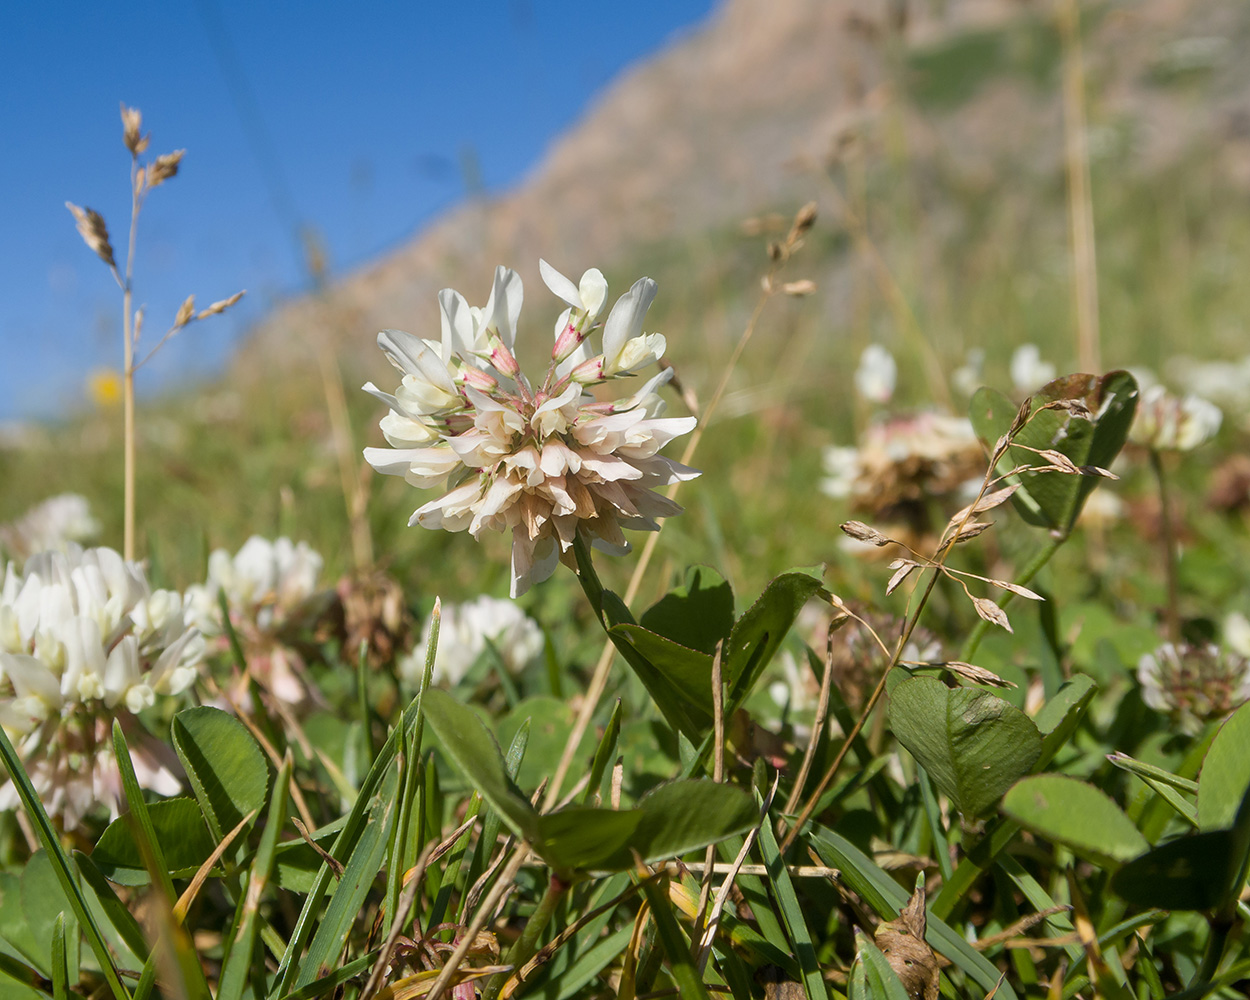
<point x="1168" y="541"/>
<point x="599" y="680"/>
<point x="1216" y="943"/>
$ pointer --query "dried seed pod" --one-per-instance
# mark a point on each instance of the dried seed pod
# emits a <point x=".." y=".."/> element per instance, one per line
<point x="186" y="312"/>
<point x="902" y="568"/>
<point x="803" y="287"/>
<point x="991" y="612"/>
<point x="863" y="533"/>
<point x="221" y="305"/>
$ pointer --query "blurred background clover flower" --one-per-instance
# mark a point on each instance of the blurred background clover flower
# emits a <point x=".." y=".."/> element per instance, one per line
<point x="544" y="463"/>
<point x="1194" y="683"/>
<point x="469" y="630"/>
<point x="48" y="526"/>
<point x="1167" y="422"/>
<point x="85" y="640"/>
<point x="272" y="591"/>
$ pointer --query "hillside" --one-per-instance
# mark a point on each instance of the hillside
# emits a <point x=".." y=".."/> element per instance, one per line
<point x="746" y="115"/>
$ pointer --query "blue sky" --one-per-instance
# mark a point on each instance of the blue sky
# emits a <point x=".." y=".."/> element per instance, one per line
<point x="361" y="122"/>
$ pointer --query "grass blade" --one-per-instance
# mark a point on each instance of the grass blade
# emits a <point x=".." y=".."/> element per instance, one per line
<point x="888" y="898"/>
<point x="675" y="943"/>
<point x="60" y="865"/>
<point x="60" y="973"/>
<point x="239" y="960"/>
<point x="782" y="888"/>
<point x="344" y="846"/>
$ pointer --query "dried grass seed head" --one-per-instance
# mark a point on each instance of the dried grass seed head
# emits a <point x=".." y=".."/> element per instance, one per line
<point x="164" y="167"/>
<point x="132" y="123"/>
<point x="94" y="232"/>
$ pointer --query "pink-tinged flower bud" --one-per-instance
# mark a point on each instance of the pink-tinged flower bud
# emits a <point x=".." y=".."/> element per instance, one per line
<point x="566" y="343"/>
<point x="504" y="361"/>
<point x="588" y="372"/>
<point x="478" y="378"/>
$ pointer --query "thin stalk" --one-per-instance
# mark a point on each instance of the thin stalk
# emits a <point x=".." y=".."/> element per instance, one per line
<point x="527" y="944"/>
<point x="1220" y="930"/>
<point x="128" y="372"/>
<point x="469" y="937"/>
<point x="1168" y="540"/>
<point x="1080" y="199"/>
<point x="1040" y="559"/>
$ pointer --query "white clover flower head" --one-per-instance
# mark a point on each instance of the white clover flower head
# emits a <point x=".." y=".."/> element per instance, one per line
<point x="903" y="459"/>
<point x="876" y="375"/>
<point x="466" y="632"/>
<point x="49" y="526"/>
<point x="1028" y="371"/>
<point x="83" y="641"/>
<point x="1165" y="422"/>
<point x="1194" y="683"/>
<point x="545" y="463"/>
<point x="841" y="470"/>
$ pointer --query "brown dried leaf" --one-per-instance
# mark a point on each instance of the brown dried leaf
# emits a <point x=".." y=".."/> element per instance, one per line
<point x="902" y="943"/>
<point x="804" y="287"/>
<point x="863" y="533"/>
<point x="992" y="500"/>
<point x="186" y="312"/>
<point x="221" y="305"/>
<point x="902" y="568"/>
<point x="1016" y="589"/>
<point x="94" y="232"/>
<point x="165" y="167"/>
<point x="991" y="612"/>
<point x="972" y="529"/>
<point x="1096" y="470"/>
<point x="987" y="502"/>
<point x="132" y="123"/>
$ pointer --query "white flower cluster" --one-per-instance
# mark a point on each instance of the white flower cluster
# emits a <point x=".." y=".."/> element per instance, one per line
<point x="1028" y="371"/>
<point x="49" y="526"/>
<point x="267" y="585"/>
<point x="876" y="375"/>
<point x="1165" y="422"/>
<point x="464" y="633"/>
<point x="84" y="639"/>
<point x="545" y="462"/>
<point x="1194" y="683"/>
<point x="264" y="582"/>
